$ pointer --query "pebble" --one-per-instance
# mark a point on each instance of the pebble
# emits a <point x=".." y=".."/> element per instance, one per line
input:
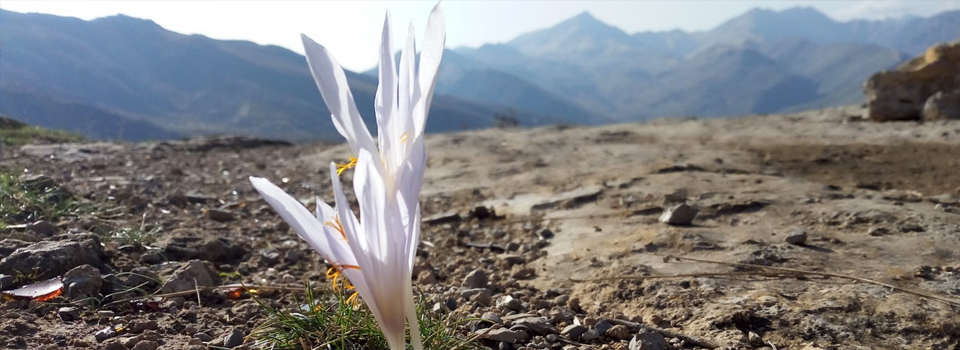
<point x="42" y="227"/>
<point x="524" y="273"/>
<point x="537" y="324"/>
<point x="619" y="332"/>
<point x="500" y="334"/>
<point x="509" y="302"/>
<point x="81" y="282"/>
<point x="204" y="337"/>
<point x="573" y="331"/>
<point x="545" y="234"/>
<point x="68" y="313"/>
<point x="754" y="339"/>
<point x="220" y="215"/>
<point x="270" y="256"/>
<point x="679" y="215"/>
<point x="292" y="256"/>
<point x="590" y="335"/>
<point x="288" y="279"/>
<point x="878" y="231"/>
<point x="475" y="279"/>
<point x="105" y="314"/>
<point x="603" y="326"/>
<point x="796" y="237"/>
<point x="190" y="275"/>
<point x="233" y="339"/>
<point x="648" y="341"/>
<point x="426" y="277"/>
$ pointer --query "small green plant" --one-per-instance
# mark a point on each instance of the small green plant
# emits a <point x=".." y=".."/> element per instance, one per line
<point x="14" y="133"/>
<point x="23" y="202"/>
<point x="230" y="276"/>
<point x="338" y="323"/>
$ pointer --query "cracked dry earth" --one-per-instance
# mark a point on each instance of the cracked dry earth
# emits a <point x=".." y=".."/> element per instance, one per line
<point x="531" y="229"/>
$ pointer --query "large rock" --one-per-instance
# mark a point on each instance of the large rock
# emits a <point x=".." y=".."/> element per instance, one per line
<point x="50" y="259"/>
<point x="902" y="93"/>
<point x="942" y="106"/>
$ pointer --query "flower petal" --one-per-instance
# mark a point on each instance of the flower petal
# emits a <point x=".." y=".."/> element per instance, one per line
<point x="400" y="128"/>
<point x="431" y="53"/>
<point x="333" y="86"/>
<point x="303" y="223"/>
<point x="386" y="100"/>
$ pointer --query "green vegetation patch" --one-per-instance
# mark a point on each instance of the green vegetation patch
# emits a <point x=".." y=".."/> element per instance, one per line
<point x="37" y="198"/>
<point x="335" y="322"/>
<point x="15" y="133"/>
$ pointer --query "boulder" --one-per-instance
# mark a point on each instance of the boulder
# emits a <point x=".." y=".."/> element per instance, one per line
<point x="901" y="94"/>
<point x="942" y="106"/>
<point x="53" y="258"/>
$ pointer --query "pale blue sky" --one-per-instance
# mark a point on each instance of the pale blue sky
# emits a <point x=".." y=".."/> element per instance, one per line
<point x="351" y="29"/>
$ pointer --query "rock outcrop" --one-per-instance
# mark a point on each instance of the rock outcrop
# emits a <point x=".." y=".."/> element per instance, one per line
<point x="924" y="88"/>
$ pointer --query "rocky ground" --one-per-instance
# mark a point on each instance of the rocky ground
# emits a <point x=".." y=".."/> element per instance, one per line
<point x="534" y="230"/>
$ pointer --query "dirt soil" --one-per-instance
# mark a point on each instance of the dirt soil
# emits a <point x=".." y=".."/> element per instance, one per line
<point x="576" y="209"/>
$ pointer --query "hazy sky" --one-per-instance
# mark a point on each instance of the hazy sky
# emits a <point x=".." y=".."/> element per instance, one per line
<point x="351" y="29"/>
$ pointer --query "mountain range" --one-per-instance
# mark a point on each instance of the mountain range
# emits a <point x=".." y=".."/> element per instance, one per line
<point x="128" y="78"/>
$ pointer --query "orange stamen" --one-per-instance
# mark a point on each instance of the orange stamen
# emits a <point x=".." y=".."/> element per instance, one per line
<point x="337" y="226"/>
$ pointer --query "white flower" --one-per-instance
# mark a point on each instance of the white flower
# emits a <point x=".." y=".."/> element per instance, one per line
<point x="375" y="253"/>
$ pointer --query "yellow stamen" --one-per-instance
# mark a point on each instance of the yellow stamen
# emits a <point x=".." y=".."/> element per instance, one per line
<point x="403" y="137"/>
<point x="337" y="226"/>
<point x="333" y="274"/>
<point x="343" y="167"/>
<point x="353" y="298"/>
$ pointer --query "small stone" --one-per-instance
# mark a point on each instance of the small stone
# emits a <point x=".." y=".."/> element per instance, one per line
<point x="796" y="237"/>
<point x="270" y="256"/>
<point x="512" y="259"/>
<point x="426" y="277"/>
<point x="552" y="338"/>
<point x="500" y="334"/>
<point x="220" y="215"/>
<point x="754" y="339"/>
<point x="288" y="279"/>
<point x="470" y="292"/>
<point x="590" y="335"/>
<point x="204" y="337"/>
<point x="648" y="341"/>
<point x="81" y="282"/>
<point x="483" y="299"/>
<point x="545" y="234"/>
<point x="524" y="273"/>
<point x="681" y="214"/>
<point x="105" y="334"/>
<point x="146" y="345"/>
<point x="482" y="212"/>
<point x="189" y="276"/>
<point x="476" y="279"/>
<point x="618" y="332"/>
<point x="539" y="325"/>
<point x="602" y="326"/>
<point x="6" y="281"/>
<point x="233" y="339"/>
<point x="292" y="256"/>
<point x="106" y="314"/>
<point x="573" y="331"/>
<point x="509" y="302"/>
<point x="68" y="313"/>
<point x="512" y="246"/>
<point x="878" y="231"/>
<point x="42" y="227"/>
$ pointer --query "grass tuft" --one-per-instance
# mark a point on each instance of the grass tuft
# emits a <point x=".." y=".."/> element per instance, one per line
<point x="24" y="202"/>
<point x="334" y="323"/>
<point x="14" y="133"/>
